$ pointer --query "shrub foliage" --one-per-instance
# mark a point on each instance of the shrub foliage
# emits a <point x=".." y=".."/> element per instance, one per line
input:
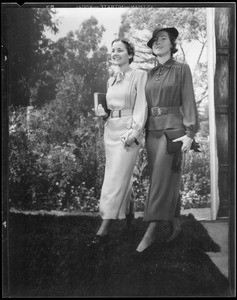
<point x="57" y="161"/>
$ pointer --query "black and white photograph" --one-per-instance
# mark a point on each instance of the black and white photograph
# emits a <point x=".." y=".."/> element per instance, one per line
<point x="118" y="149"/>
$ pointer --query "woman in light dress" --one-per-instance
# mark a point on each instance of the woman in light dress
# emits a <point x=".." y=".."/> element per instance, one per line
<point x="123" y="129"/>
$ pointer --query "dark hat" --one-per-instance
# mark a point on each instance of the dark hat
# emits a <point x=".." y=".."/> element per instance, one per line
<point x="171" y="30"/>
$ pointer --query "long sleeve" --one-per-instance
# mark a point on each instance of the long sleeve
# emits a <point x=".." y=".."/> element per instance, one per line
<point x="189" y="108"/>
<point x="140" y="107"/>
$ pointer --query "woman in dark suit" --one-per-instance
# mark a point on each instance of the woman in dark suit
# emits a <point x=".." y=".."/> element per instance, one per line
<point x="171" y="107"/>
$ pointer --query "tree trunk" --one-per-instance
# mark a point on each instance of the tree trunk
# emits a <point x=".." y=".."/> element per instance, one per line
<point x="225" y="117"/>
<point x="222" y="104"/>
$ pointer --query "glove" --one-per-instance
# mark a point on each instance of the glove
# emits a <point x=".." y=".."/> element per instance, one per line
<point x="195" y="146"/>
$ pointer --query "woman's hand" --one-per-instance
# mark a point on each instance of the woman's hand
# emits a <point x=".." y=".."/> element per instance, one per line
<point x="101" y="112"/>
<point x="128" y="138"/>
<point x="187" y="142"/>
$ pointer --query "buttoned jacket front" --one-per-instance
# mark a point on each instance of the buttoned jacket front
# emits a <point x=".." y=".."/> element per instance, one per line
<point x="170" y="85"/>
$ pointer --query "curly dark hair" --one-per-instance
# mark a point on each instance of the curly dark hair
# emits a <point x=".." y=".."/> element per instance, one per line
<point x="173" y="44"/>
<point x="130" y="48"/>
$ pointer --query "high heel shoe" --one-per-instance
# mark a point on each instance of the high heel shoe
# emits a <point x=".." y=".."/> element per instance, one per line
<point x="98" y="241"/>
<point x="175" y="225"/>
<point x="176" y="235"/>
<point x="147" y="253"/>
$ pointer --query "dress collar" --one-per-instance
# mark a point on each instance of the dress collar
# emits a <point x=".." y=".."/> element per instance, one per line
<point x="167" y="64"/>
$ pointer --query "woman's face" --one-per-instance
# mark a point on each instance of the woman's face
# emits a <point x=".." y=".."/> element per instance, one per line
<point x="119" y="54"/>
<point x="162" y="45"/>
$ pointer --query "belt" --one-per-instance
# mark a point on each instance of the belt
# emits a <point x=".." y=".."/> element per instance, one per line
<point x="120" y="113"/>
<point x="158" y="111"/>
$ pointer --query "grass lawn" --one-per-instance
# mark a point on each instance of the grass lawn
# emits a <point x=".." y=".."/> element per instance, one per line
<point x="48" y="257"/>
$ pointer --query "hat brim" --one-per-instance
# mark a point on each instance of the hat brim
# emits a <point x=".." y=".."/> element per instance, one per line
<point x="171" y="30"/>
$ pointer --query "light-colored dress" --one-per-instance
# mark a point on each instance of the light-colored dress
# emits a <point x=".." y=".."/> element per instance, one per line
<point x="127" y="94"/>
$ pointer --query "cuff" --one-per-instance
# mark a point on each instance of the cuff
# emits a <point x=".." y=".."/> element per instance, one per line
<point x="135" y="133"/>
<point x="190" y="134"/>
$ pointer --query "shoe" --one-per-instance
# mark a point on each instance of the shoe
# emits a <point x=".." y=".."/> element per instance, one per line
<point x="147" y="253"/>
<point x="176" y="235"/>
<point x="98" y="241"/>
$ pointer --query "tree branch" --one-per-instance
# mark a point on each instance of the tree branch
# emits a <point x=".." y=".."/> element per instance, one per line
<point x="199" y="57"/>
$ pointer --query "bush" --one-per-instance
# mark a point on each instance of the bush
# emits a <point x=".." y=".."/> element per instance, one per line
<point x="22" y="161"/>
<point x="47" y="175"/>
<point x="56" y="164"/>
<point x="195" y="188"/>
<point x="141" y="179"/>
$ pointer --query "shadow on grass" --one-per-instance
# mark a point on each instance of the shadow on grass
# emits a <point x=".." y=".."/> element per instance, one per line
<point x="48" y="257"/>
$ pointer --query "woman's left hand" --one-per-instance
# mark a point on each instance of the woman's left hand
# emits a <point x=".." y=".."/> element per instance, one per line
<point x="187" y="142"/>
<point x="128" y="138"/>
<point x="101" y="112"/>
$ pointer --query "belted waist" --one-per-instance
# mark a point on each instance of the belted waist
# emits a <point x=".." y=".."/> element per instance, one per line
<point x="158" y="111"/>
<point x="120" y="113"/>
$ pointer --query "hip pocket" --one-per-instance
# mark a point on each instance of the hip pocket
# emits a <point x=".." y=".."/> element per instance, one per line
<point x="126" y="121"/>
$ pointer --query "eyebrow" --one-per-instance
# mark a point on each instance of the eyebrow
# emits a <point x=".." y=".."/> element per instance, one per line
<point x="118" y="48"/>
<point x="163" y="34"/>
